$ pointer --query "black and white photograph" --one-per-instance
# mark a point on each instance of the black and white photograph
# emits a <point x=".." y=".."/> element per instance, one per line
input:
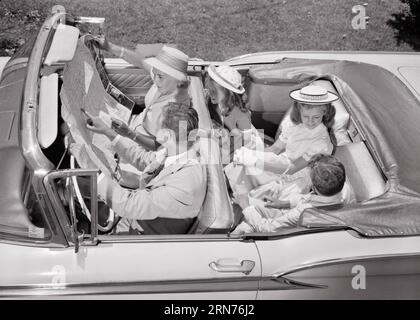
<point x="227" y="151"/>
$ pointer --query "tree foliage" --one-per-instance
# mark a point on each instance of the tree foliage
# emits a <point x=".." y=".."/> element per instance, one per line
<point x="407" y="24"/>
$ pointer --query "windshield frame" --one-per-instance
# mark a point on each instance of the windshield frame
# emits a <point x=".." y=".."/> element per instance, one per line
<point x="36" y="162"/>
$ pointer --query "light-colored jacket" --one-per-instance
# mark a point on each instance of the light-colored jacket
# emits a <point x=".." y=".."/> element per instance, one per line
<point x="177" y="192"/>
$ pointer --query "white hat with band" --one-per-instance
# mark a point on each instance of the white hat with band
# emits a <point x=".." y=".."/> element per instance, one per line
<point x="313" y="94"/>
<point x="227" y="77"/>
<point x="170" y="61"/>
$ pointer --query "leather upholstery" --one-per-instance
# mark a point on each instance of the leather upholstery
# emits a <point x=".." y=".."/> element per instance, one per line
<point x="216" y="215"/>
<point x="361" y="170"/>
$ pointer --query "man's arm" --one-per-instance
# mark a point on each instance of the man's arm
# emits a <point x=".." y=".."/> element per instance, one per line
<point x="139" y="204"/>
<point x="173" y="199"/>
<point x="132" y="153"/>
<point x="148" y="142"/>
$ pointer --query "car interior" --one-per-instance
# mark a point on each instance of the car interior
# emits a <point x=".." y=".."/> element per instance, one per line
<point x="269" y="103"/>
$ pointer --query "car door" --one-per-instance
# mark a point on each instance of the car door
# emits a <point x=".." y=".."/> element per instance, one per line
<point x="338" y="265"/>
<point x="177" y="267"/>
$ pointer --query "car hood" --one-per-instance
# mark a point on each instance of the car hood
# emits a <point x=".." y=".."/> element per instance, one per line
<point x="12" y="213"/>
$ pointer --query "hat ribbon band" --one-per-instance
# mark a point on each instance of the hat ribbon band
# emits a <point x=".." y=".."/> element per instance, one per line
<point x="313" y="97"/>
<point x="173" y="62"/>
<point x="231" y="84"/>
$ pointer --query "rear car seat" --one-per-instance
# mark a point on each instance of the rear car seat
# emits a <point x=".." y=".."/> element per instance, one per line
<point x="361" y="170"/>
<point x="268" y="98"/>
<point x="216" y="214"/>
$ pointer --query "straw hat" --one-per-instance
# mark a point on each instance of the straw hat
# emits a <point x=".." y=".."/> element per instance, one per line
<point x="170" y="61"/>
<point x="313" y="94"/>
<point x="227" y="77"/>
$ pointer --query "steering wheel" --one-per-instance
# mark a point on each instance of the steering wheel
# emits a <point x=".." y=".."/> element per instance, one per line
<point x="111" y="218"/>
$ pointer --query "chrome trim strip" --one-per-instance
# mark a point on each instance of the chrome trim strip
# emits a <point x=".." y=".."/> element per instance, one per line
<point x="141" y="287"/>
<point x="31" y="150"/>
<point x="177" y="238"/>
<point x="341" y="261"/>
<point x="30" y="147"/>
<point x="259" y="54"/>
<point x="283" y="283"/>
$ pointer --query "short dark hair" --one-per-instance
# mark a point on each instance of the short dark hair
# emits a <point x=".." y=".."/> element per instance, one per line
<point x="327" y="174"/>
<point x="327" y="119"/>
<point x="174" y="113"/>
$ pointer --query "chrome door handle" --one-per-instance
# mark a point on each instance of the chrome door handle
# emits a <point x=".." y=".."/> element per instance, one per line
<point x="232" y="265"/>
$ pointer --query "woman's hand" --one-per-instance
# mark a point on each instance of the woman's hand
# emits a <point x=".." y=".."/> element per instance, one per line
<point x="244" y="156"/>
<point x="122" y="129"/>
<point x="102" y="42"/>
<point x="81" y="155"/>
<point x="96" y="124"/>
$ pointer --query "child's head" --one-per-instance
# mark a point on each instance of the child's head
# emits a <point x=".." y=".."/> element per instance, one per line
<point x="311" y="115"/>
<point x="312" y="105"/>
<point x="327" y="174"/>
<point x="225" y="88"/>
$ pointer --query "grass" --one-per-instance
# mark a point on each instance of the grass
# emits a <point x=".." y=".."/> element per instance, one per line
<point x="218" y="29"/>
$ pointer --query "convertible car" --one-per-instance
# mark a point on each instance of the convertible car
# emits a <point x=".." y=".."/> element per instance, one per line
<point x="367" y="250"/>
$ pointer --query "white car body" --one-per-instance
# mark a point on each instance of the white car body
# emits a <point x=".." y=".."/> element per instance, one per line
<point x="306" y="263"/>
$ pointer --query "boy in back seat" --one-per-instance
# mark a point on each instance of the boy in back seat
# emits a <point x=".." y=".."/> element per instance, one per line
<point x="328" y="179"/>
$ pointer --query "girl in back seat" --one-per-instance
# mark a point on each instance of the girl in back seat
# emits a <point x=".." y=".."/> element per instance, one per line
<point x="304" y="133"/>
<point x="234" y="128"/>
<point x="225" y="89"/>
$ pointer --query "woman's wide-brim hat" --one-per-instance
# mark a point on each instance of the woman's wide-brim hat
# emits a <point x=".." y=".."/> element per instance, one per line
<point x="313" y="94"/>
<point x="171" y="61"/>
<point x="227" y="77"/>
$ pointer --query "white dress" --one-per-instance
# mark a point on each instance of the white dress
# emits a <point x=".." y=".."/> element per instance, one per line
<point x="300" y="142"/>
<point x="303" y="142"/>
